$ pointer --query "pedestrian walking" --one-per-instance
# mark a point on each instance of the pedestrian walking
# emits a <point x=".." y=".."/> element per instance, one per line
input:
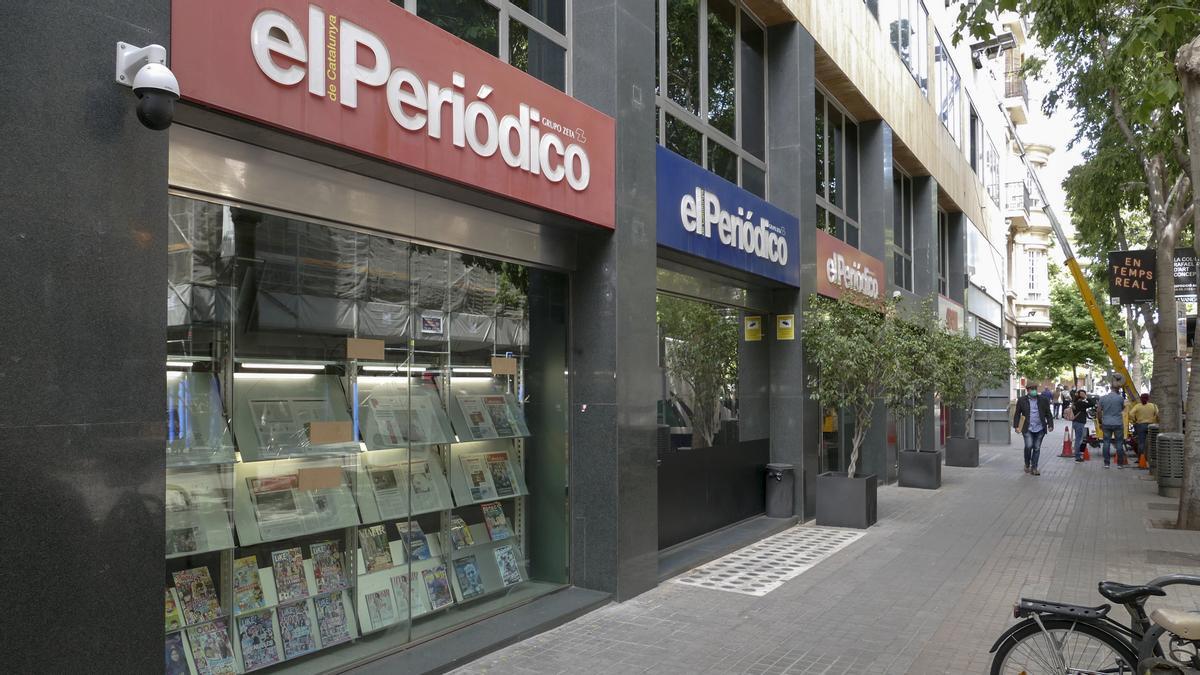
<point x="1078" y="412"/>
<point x="1032" y="420"/>
<point x="1142" y="415"/>
<point x="1056" y="400"/>
<point x="1112" y="423"/>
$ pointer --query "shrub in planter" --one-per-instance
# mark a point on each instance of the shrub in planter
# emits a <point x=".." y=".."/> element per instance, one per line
<point x="839" y="335"/>
<point x="913" y="359"/>
<point x="969" y="367"/>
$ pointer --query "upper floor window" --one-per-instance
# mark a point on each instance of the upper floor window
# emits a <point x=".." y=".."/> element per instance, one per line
<point x="991" y="171"/>
<point x="837" y="171"/>
<point x="902" y="230"/>
<point x="907" y="26"/>
<point x="528" y="34"/>
<point x="1037" y="273"/>
<point x="711" y="87"/>
<point x="949" y="90"/>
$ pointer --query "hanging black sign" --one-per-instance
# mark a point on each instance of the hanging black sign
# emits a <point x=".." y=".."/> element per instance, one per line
<point x="1131" y="277"/>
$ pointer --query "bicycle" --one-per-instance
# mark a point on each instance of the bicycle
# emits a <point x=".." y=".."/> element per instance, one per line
<point x="1066" y="639"/>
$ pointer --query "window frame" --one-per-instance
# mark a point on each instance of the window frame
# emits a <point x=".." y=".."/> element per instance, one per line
<point x="823" y="202"/>
<point x="917" y="63"/>
<point x="507" y="11"/>
<point x="903" y="251"/>
<point x="943" y="264"/>
<point x="665" y="105"/>
<point x="951" y="117"/>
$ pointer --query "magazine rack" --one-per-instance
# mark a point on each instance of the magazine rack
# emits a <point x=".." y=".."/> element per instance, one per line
<point x="291" y="498"/>
<point x="291" y="415"/>
<point x="394" y="484"/>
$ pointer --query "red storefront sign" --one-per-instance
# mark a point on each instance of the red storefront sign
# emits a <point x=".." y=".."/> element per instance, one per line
<point x="842" y="267"/>
<point x="369" y="76"/>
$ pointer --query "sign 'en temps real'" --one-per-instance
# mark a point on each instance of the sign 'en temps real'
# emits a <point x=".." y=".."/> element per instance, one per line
<point x="1131" y="276"/>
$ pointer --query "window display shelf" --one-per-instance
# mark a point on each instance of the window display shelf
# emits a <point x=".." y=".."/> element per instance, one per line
<point x="197" y="433"/>
<point x="399" y="483"/>
<point x="479" y="416"/>
<point x="485" y="471"/>
<point x="291" y="498"/>
<point x="401" y="577"/>
<point x="399" y="412"/>
<point x="278" y="415"/>
<point x="197" y="510"/>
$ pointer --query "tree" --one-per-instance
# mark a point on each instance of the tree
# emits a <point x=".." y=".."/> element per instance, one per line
<point x="1188" y="62"/>
<point x="702" y="352"/>
<point x="1115" y="69"/>
<point x="1071" y="341"/>
<point x="969" y="367"/>
<point x="913" y="345"/>
<point x="838" y="337"/>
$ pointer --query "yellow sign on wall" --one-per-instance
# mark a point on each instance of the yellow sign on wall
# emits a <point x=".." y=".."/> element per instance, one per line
<point x="785" y="327"/>
<point x="753" y="328"/>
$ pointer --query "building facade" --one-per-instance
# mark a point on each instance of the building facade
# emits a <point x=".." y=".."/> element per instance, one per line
<point x="433" y="272"/>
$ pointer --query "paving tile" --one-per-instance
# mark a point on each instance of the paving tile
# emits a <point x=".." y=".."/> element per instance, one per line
<point x="925" y="591"/>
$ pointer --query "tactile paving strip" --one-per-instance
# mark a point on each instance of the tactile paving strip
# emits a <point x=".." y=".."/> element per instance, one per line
<point x="762" y="567"/>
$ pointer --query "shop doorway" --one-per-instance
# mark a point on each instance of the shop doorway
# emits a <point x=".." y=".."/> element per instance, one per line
<point x="712" y="419"/>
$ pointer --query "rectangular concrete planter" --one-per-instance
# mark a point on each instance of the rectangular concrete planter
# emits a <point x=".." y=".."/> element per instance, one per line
<point x="847" y="502"/>
<point x="920" y="469"/>
<point x="962" y="452"/>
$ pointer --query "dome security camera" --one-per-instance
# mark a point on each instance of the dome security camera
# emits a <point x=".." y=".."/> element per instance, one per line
<point x="145" y="70"/>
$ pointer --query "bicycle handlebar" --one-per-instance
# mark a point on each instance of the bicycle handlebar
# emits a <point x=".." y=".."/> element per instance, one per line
<point x="1173" y="579"/>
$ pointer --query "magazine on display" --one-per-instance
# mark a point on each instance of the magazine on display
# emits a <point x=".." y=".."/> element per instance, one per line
<point x="275" y="499"/>
<point x="460" y="533"/>
<point x="380" y="608"/>
<point x="502" y="473"/>
<point x="211" y="650"/>
<point x="377" y="553"/>
<point x="174" y="620"/>
<point x="176" y="656"/>
<point x="416" y="545"/>
<point x="469" y="581"/>
<point x="328" y="566"/>
<point x="389" y="419"/>
<point x="424" y="492"/>
<point x="183" y="540"/>
<point x="247" y="590"/>
<point x="295" y="629"/>
<point x="479" y="420"/>
<point x="496" y="521"/>
<point x="478" y="478"/>
<point x="197" y="595"/>
<point x="438" y="586"/>
<point x="289" y="574"/>
<point x="282" y="424"/>
<point x="501" y="417"/>
<point x="331" y="619"/>
<point x="406" y="599"/>
<point x="510" y="568"/>
<point x="256" y="635"/>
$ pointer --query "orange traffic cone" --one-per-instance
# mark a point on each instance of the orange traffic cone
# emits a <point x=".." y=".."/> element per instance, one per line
<point x="1142" y="461"/>
<point x="1086" y="455"/>
<point x="1066" y="449"/>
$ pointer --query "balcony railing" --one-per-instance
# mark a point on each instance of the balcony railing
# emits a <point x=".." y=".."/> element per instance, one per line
<point x="1017" y="197"/>
<point x="1014" y="86"/>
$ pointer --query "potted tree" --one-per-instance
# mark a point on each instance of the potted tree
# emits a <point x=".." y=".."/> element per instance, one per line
<point x="970" y="367"/>
<point x="913" y="361"/>
<point x="839" y="334"/>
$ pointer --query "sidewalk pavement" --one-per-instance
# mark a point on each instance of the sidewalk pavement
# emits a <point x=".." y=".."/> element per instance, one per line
<point x="926" y="591"/>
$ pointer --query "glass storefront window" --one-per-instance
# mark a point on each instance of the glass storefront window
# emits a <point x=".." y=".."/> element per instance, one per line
<point x="902" y="231"/>
<point x="475" y="21"/>
<point x="537" y="55"/>
<point x="366" y="439"/>
<point x="684" y="141"/>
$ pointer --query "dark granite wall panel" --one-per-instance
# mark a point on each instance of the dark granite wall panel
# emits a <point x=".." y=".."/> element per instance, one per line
<point x="83" y="189"/>
<point x="925" y="255"/>
<point x="875" y="185"/>
<point x="956" y="223"/>
<point x="614" y="457"/>
<point x="791" y="174"/>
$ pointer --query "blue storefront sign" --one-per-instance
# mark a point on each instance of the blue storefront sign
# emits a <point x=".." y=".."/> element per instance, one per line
<point x="706" y="216"/>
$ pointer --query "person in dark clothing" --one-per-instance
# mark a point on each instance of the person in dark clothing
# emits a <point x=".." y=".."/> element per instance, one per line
<point x="1032" y="420"/>
<point x="1078" y="412"/>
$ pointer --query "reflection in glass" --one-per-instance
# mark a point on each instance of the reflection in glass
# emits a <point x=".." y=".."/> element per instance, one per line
<point x="722" y="43"/>
<point x="820" y="144"/>
<point x="553" y="13"/>
<point x="754" y="179"/>
<point x="753" y="88"/>
<point x="722" y="161"/>
<point x="474" y="21"/>
<point x="537" y="55"/>
<point x="683" y="140"/>
<point x="683" y="54"/>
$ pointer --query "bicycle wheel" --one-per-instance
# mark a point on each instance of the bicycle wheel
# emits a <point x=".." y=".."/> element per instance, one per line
<point x="1070" y="647"/>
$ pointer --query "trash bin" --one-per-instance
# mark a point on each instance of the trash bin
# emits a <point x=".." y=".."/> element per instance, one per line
<point x="781" y="490"/>
<point x="1168" y="449"/>
<point x="1151" y="439"/>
